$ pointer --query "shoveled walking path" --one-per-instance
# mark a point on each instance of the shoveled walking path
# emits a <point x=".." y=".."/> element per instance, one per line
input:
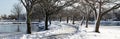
<point x="64" y="32"/>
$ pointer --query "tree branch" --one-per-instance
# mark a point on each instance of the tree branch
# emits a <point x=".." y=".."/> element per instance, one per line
<point x="114" y="7"/>
<point x="24" y="4"/>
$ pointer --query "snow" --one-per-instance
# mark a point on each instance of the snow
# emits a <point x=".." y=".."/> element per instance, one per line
<point x="63" y="30"/>
<point x="106" y="32"/>
<point x="117" y="2"/>
<point x="60" y="3"/>
<point x="57" y="30"/>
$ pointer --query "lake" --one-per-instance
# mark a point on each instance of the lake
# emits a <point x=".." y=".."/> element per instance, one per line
<point x="11" y="27"/>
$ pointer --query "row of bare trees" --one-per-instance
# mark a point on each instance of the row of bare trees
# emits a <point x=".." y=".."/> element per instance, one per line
<point x="97" y="6"/>
<point x="85" y="10"/>
<point x="48" y="7"/>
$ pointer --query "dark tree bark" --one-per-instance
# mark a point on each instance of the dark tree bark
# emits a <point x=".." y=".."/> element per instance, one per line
<point x="98" y="18"/>
<point x="67" y="19"/>
<point x="46" y="22"/>
<point x="73" y="20"/>
<point x="39" y="20"/>
<point x="50" y="20"/>
<point x="87" y="22"/>
<point x="83" y="20"/>
<point x="28" y="25"/>
<point x="87" y="18"/>
<point x="60" y="18"/>
<point x="98" y="24"/>
<point x="28" y="4"/>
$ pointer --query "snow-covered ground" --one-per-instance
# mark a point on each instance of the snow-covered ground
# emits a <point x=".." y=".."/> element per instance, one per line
<point x="57" y="31"/>
<point x="63" y="30"/>
<point x="106" y="32"/>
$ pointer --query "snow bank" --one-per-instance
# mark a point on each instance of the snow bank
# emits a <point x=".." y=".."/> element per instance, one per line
<point x="106" y="32"/>
<point x="57" y="30"/>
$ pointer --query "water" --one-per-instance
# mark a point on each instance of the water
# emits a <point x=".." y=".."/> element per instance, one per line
<point x="17" y="28"/>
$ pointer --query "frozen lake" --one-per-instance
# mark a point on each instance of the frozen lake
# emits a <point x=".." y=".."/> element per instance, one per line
<point x="20" y="27"/>
<point x="13" y="27"/>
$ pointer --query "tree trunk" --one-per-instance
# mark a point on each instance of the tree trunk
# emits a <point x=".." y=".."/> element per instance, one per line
<point x="67" y="19"/>
<point x="28" y="25"/>
<point x="83" y="20"/>
<point x="98" y="24"/>
<point x="60" y="18"/>
<point x="87" y="19"/>
<point x="73" y="20"/>
<point x="39" y="20"/>
<point x="50" y="20"/>
<point x="99" y="17"/>
<point x="87" y="22"/>
<point x="46" y="22"/>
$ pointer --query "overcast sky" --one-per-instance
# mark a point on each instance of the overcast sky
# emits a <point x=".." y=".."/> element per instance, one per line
<point x="6" y="6"/>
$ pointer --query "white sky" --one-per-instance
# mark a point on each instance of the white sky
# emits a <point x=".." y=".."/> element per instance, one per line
<point x="6" y="6"/>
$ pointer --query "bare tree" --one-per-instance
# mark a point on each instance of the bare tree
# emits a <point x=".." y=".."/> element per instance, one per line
<point x="85" y="11"/>
<point x="51" y="7"/>
<point x="101" y="13"/>
<point x="28" y="4"/>
<point x="17" y="10"/>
